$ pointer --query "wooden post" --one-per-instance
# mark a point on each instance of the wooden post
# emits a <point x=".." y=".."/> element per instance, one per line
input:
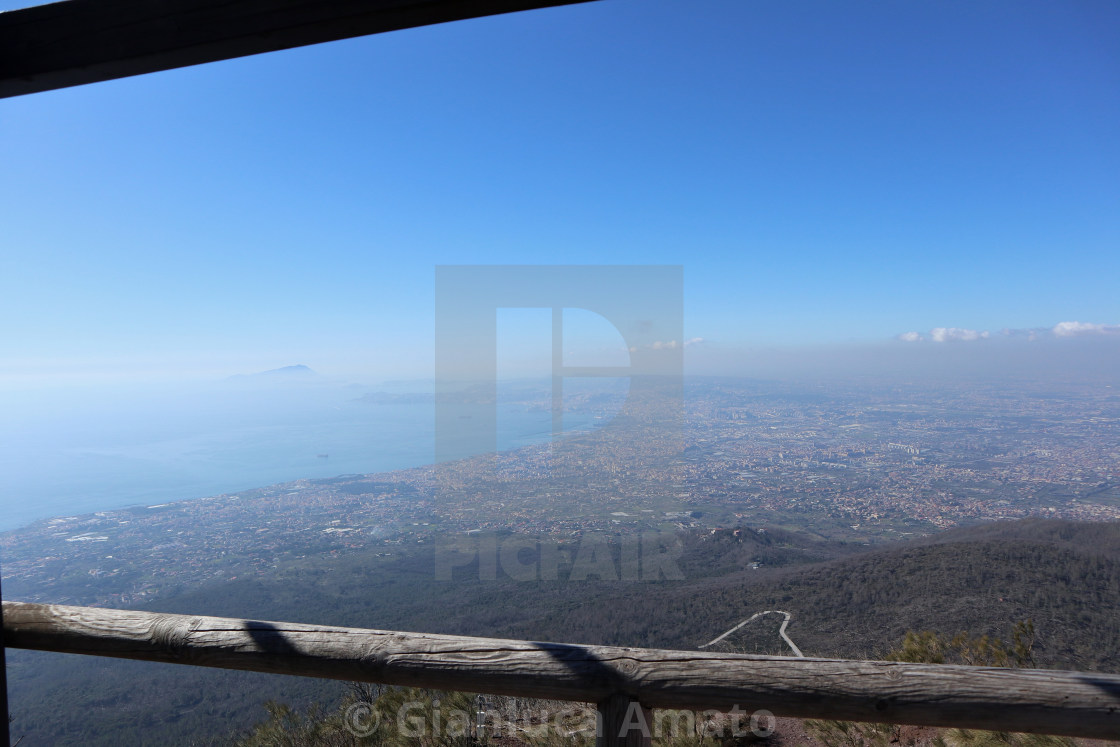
<point x="622" y="722"/>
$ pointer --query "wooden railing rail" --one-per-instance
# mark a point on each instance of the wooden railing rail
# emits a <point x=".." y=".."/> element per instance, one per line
<point x="1080" y="704"/>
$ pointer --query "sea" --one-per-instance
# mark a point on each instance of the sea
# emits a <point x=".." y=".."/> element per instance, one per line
<point x="72" y="451"/>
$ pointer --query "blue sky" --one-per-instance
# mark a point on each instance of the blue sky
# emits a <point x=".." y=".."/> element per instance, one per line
<point x="827" y="174"/>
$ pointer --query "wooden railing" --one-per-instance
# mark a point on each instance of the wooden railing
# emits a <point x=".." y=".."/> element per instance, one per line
<point x="1079" y="704"/>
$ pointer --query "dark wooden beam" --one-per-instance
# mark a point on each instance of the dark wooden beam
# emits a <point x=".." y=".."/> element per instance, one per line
<point x="85" y="41"/>
<point x="1078" y="704"/>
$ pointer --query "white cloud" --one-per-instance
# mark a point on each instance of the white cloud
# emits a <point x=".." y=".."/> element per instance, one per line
<point x="1062" y="329"/>
<point x="1070" y="329"/>
<point x="693" y="341"/>
<point x="952" y="334"/>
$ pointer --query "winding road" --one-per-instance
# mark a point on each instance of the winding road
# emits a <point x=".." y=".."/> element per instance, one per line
<point x="781" y="631"/>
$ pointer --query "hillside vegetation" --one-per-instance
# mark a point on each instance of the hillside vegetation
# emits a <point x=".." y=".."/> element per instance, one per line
<point x="845" y="600"/>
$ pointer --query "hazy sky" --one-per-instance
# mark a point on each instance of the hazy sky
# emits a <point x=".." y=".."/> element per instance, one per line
<point x="826" y="174"/>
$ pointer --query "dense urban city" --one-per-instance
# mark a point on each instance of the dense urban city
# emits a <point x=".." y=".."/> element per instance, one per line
<point x="859" y="462"/>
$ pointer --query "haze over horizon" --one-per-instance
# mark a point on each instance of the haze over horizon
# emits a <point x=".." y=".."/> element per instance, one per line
<point x="874" y="190"/>
<point x="804" y="313"/>
<point x="852" y="178"/>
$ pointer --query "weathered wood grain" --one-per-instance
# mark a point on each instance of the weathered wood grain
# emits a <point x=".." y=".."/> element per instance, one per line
<point x="84" y="41"/>
<point x="1052" y="702"/>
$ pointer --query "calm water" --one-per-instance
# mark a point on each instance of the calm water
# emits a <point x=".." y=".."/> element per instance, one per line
<point x="71" y="452"/>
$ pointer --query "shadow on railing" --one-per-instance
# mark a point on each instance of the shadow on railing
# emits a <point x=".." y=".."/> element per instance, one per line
<point x="624" y="683"/>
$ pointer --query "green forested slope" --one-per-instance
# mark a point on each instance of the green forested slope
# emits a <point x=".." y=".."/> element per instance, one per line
<point x="845" y="601"/>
